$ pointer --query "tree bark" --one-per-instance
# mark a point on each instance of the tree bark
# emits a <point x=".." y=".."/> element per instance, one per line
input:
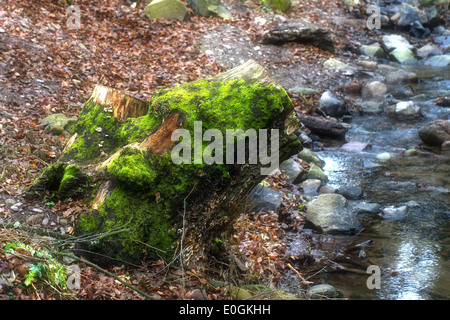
<point x="120" y="161"/>
<point x="324" y="126"/>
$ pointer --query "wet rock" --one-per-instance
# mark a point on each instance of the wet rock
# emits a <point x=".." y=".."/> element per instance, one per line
<point x="435" y="133"/>
<point x="320" y="291"/>
<point x="331" y="105"/>
<point x="418" y="30"/>
<point x="366" y="207"/>
<point x="384" y="156"/>
<point x="304" y="139"/>
<point x="401" y="76"/>
<point x="315" y="172"/>
<point x="332" y="213"/>
<point x="293" y="170"/>
<point x="356" y="146"/>
<point x="311" y="187"/>
<point x="391" y="42"/>
<point x="402" y="93"/>
<point x="265" y="199"/>
<point x="351" y="192"/>
<point x="405" y="110"/>
<point x="339" y="66"/>
<point x="411" y="153"/>
<point x="440" y="61"/>
<point x="373" y="89"/>
<point x="327" y="189"/>
<point x="403" y="55"/>
<point x="311" y="157"/>
<point x="372" y="65"/>
<point x="370" y="107"/>
<point x="428" y="50"/>
<point x="393" y="213"/>
<point x="374" y="51"/>
<point x="409" y="14"/>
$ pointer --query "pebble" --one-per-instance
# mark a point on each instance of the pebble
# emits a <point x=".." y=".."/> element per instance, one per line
<point x="385" y="156"/>
<point x="16" y="206"/>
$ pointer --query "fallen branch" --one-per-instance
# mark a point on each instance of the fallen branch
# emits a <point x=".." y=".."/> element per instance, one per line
<point x="298" y="274"/>
<point x="72" y="256"/>
<point x="320" y="38"/>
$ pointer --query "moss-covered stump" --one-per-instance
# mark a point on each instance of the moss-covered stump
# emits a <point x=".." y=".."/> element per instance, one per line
<point x="156" y="190"/>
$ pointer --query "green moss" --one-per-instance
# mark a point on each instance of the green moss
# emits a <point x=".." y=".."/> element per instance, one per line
<point x="98" y="131"/>
<point x="71" y="173"/>
<point x="133" y="169"/>
<point x="224" y="105"/>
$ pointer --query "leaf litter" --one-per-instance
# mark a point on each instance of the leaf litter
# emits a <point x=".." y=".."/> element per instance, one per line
<point x="47" y="68"/>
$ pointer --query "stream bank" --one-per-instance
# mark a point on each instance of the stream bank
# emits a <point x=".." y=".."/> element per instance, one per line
<point x="402" y="185"/>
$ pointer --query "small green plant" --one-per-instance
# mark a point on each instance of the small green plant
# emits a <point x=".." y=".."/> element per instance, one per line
<point x="46" y="267"/>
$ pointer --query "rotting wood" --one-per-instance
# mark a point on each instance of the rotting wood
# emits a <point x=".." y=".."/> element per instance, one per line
<point x="321" y="38"/>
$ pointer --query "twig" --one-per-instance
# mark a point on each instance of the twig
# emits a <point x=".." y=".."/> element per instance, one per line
<point x="298" y="274"/>
<point x="142" y="293"/>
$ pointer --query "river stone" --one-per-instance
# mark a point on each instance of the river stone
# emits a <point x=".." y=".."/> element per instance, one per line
<point x="311" y="157"/>
<point x="402" y="93"/>
<point x="339" y="66"/>
<point x="384" y="156"/>
<point x="265" y="199"/>
<point x="303" y="91"/>
<point x="372" y="51"/>
<point x="168" y="9"/>
<point x="373" y="89"/>
<point x="366" y="207"/>
<point x="58" y="123"/>
<point x="428" y="50"/>
<point x="311" y="187"/>
<point x="440" y="61"/>
<point x="207" y="8"/>
<point x="435" y="133"/>
<point x="282" y="5"/>
<point x="393" y="213"/>
<point x="391" y="42"/>
<point x="351" y="192"/>
<point x="405" y="110"/>
<point x="331" y="105"/>
<point x="409" y="14"/>
<point x="403" y="55"/>
<point x="370" y="106"/>
<point x="411" y="152"/>
<point x="293" y="170"/>
<point x="315" y="172"/>
<point x="356" y="146"/>
<point x="401" y="76"/>
<point x="319" y="291"/>
<point x="332" y="213"/>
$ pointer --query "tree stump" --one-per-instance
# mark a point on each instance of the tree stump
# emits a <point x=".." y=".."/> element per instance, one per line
<point x="151" y="171"/>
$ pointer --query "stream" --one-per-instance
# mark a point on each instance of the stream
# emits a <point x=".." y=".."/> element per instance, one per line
<point x="412" y="251"/>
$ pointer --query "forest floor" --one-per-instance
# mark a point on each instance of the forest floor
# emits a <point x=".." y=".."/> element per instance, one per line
<point x="46" y="68"/>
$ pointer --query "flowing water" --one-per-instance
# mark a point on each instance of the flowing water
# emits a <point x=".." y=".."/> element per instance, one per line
<point x="413" y="251"/>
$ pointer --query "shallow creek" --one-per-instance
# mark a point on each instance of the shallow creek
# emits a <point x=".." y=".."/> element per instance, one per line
<point x="413" y="251"/>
